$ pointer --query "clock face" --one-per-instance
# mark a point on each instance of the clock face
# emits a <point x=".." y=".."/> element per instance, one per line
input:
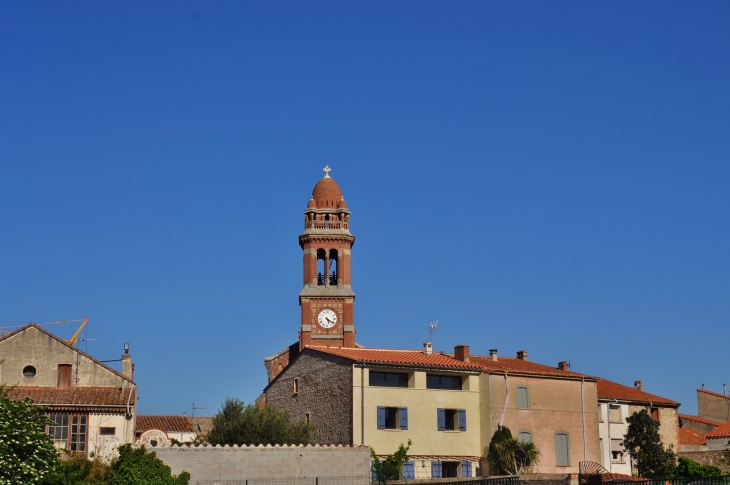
<point x="327" y="318"/>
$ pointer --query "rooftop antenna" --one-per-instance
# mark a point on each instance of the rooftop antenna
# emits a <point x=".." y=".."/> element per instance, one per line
<point x="433" y="328"/>
<point x="194" y="408"/>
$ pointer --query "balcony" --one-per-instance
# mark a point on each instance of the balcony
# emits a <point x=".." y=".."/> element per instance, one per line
<point x="326" y="225"/>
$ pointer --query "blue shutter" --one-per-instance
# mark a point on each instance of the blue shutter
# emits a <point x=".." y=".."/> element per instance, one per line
<point x="462" y="419"/>
<point x="435" y="469"/>
<point x="381" y="417"/>
<point x="409" y="470"/>
<point x="441" y="419"/>
<point x="466" y="469"/>
<point x="403" y="418"/>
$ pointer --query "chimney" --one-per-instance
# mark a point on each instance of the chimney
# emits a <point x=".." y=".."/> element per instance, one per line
<point x="427" y="348"/>
<point x="563" y="365"/>
<point x="724" y="389"/>
<point x="639" y="385"/>
<point x="522" y="355"/>
<point x="127" y="365"/>
<point x="461" y="352"/>
<point x="493" y="355"/>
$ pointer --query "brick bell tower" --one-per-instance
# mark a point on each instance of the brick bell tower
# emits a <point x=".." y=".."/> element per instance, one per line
<point x="327" y="300"/>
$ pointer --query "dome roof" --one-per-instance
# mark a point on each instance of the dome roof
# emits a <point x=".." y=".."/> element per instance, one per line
<point x="327" y="194"/>
<point x="342" y="204"/>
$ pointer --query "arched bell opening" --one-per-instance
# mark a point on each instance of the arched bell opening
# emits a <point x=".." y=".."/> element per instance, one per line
<point x="321" y="267"/>
<point x="333" y="267"/>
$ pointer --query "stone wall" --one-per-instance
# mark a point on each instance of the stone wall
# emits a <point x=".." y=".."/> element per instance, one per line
<point x="550" y="479"/>
<point x="707" y="458"/>
<point x="216" y="463"/>
<point x="324" y="393"/>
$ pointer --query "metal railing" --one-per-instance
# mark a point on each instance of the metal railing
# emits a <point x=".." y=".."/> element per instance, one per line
<point x="326" y="225"/>
<point x="288" y="481"/>
<point x="721" y="480"/>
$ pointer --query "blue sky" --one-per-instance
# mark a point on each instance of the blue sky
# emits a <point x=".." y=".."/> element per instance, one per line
<point x="549" y="176"/>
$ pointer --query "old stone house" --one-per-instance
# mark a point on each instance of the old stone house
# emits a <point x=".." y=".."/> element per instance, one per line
<point x="93" y="406"/>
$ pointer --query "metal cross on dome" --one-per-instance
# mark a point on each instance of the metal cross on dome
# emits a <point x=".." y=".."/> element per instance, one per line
<point x="326" y="171"/>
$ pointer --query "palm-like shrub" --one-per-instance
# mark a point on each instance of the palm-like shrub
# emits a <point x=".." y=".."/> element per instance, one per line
<point x="515" y="456"/>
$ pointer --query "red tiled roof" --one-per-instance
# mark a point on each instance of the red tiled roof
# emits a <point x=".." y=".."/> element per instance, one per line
<point x="688" y="436"/>
<point x="613" y="390"/>
<point x="179" y="424"/>
<point x="519" y="366"/>
<point x="721" y="432"/>
<point x="716" y="394"/>
<point x="77" y="396"/>
<point x="700" y="419"/>
<point x="402" y="357"/>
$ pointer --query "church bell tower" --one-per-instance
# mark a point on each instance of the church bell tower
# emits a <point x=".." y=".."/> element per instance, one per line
<point x="327" y="299"/>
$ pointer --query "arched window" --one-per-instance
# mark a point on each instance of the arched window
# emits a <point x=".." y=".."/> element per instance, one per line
<point x="333" y="267"/>
<point x="321" y="267"/>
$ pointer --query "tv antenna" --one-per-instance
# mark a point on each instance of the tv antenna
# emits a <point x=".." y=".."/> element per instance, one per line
<point x="194" y="408"/>
<point x="433" y="328"/>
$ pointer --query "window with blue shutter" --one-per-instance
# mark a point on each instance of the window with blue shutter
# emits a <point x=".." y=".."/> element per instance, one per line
<point x="435" y="469"/>
<point x="381" y="417"/>
<point x="562" y="449"/>
<point x="403" y="415"/>
<point x="462" y="419"/>
<point x="409" y="470"/>
<point x="466" y="469"/>
<point x="441" y="415"/>
<point x="523" y="398"/>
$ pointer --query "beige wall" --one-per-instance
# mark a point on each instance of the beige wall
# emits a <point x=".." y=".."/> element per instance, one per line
<point x="422" y="407"/>
<point x="555" y="406"/>
<point x="713" y="407"/>
<point x="105" y="447"/>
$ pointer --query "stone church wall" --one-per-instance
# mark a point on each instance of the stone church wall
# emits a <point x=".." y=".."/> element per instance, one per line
<point x="324" y="393"/>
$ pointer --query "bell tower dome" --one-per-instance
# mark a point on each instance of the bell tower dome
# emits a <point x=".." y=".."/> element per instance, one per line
<point x="327" y="299"/>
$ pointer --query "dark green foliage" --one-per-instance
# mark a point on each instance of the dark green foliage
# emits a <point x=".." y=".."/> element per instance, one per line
<point x="642" y="442"/>
<point x="80" y="470"/>
<point x="502" y="433"/>
<point x="136" y="466"/>
<point x="690" y="468"/>
<point x="240" y="424"/>
<point x="392" y="467"/>
<point x="515" y="456"/>
<point x="26" y="452"/>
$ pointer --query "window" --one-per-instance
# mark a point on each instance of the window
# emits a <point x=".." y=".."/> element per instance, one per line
<point x="443" y="382"/>
<point x="307" y="417"/>
<point x="392" y="418"/>
<point x="600" y="413"/>
<point x="466" y="469"/>
<point x="524" y="436"/>
<point x="296" y="386"/>
<point x="654" y="413"/>
<point x="409" y="470"/>
<point x="69" y="431"/>
<point x="107" y="431"/>
<point x="614" y="413"/>
<point x="388" y="379"/>
<point x="562" y="449"/>
<point x="435" y="469"/>
<point x="451" y="419"/>
<point x="449" y="469"/>
<point x="63" y="376"/>
<point x="29" y="371"/>
<point x="522" y="398"/>
<point x="617" y="451"/>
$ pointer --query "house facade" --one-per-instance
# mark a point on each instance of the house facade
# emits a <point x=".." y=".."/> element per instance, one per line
<point x="156" y="431"/>
<point x="93" y="406"/>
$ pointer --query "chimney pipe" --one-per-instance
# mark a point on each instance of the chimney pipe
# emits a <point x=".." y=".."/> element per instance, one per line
<point x="461" y="352"/>
<point x="127" y="365"/>
<point x="639" y="385"/>
<point x="493" y="355"/>
<point x="427" y="348"/>
<point x="522" y="355"/>
<point x="563" y="365"/>
<point x="724" y="389"/>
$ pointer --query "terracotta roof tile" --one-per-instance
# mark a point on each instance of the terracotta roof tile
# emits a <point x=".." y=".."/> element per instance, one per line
<point x="178" y="424"/>
<point x="403" y="357"/>
<point x="688" y="436"/>
<point x="716" y="394"/>
<point x="700" y="419"/>
<point x="87" y="395"/>
<point x="613" y="390"/>
<point x="514" y="365"/>
<point x="721" y="432"/>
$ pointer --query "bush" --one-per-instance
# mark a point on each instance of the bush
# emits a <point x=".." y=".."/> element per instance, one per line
<point x="391" y="467"/>
<point x="136" y="466"/>
<point x="495" y="468"/>
<point x="690" y="468"/>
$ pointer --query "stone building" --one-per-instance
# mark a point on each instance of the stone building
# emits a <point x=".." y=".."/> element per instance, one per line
<point x="93" y="405"/>
<point x="617" y="402"/>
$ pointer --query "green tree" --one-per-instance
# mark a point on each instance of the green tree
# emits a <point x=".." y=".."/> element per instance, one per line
<point x="690" y="468"/>
<point x="136" y="466"/>
<point x="645" y="447"/>
<point x="240" y="424"/>
<point x="391" y="467"/>
<point x="495" y="468"/>
<point x="516" y="457"/>
<point x="27" y="454"/>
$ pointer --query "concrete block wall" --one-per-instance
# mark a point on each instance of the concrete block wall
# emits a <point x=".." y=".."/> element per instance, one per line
<point x="216" y="463"/>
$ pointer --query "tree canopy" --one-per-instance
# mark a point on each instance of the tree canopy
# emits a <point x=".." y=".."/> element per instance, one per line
<point x="645" y="447"/>
<point x="137" y="466"/>
<point x="240" y="424"/>
<point x="391" y="467"/>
